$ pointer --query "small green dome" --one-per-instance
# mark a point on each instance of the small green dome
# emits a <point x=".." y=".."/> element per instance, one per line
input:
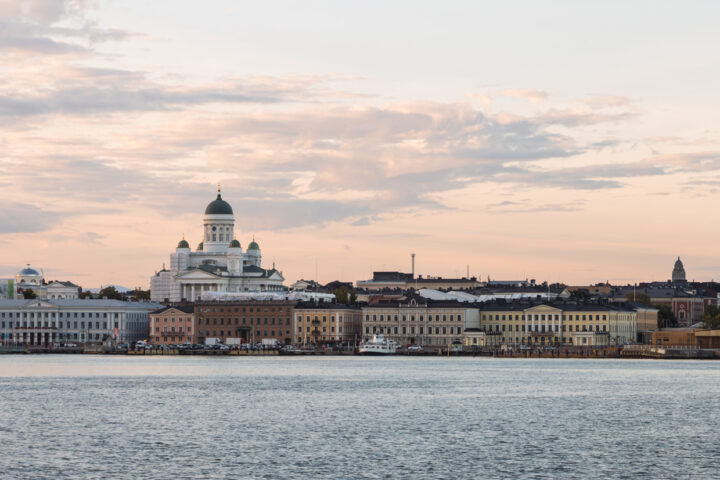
<point x="253" y="246"/>
<point x="200" y="246"/>
<point x="235" y="244"/>
<point x="183" y="244"/>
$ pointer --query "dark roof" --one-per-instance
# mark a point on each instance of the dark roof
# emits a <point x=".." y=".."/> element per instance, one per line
<point x="391" y="276"/>
<point x="29" y="271"/>
<point x="325" y="306"/>
<point x="182" y="308"/>
<point x="218" y="207"/>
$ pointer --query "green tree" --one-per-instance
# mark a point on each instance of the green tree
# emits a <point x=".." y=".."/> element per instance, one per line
<point x="83" y="294"/>
<point x="139" y="294"/>
<point x="110" y="293"/>
<point x="711" y="317"/>
<point x="638" y="297"/>
<point x="28" y="294"/>
<point x="345" y="295"/>
<point x="666" y="317"/>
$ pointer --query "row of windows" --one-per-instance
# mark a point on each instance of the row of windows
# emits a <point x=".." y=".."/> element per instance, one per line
<point x="541" y="328"/>
<point x="324" y="329"/>
<point x="243" y="309"/>
<point x="317" y="318"/>
<point x="60" y="324"/>
<point x="412" y="318"/>
<point x="258" y="333"/>
<point x="411" y="330"/>
<point x="234" y="321"/>
<point x="54" y="315"/>
<point x="172" y="329"/>
<point x="541" y="317"/>
<point x="27" y="337"/>
<point x="172" y="319"/>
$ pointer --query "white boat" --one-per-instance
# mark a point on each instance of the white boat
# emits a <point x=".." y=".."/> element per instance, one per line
<point x="378" y="346"/>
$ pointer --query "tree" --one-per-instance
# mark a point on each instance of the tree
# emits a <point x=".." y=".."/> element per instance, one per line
<point x="666" y="317"/>
<point x="28" y="294"/>
<point x="110" y="293"/>
<point x="711" y="317"/>
<point x="139" y="294"/>
<point x="345" y="295"/>
<point x="580" y="295"/>
<point x="84" y="294"/>
<point x="638" y="297"/>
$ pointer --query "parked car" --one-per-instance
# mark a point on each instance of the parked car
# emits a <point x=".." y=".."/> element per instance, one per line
<point x="415" y="348"/>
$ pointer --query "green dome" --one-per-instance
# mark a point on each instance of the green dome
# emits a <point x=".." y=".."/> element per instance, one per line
<point x="253" y="246"/>
<point x="218" y="207"/>
<point x="200" y="246"/>
<point x="235" y="244"/>
<point x="183" y="244"/>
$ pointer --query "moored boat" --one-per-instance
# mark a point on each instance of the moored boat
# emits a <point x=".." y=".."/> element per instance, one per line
<point x="379" y="345"/>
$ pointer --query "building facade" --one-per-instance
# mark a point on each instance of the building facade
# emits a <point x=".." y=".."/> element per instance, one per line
<point x="418" y="320"/>
<point x="174" y="324"/>
<point x="44" y="322"/>
<point x="219" y="263"/>
<point x="562" y="323"/>
<point x="237" y="322"/>
<point x="320" y="322"/>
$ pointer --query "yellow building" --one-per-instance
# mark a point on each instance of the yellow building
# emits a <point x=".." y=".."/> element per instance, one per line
<point x="418" y="320"/>
<point x="521" y="323"/>
<point x="326" y="323"/>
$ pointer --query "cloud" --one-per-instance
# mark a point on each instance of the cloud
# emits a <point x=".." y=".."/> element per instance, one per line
<point x="16" y="217"/>
<point x="529" y="207"/>
<point x="51" y="27"/>
<point x="530" y="94"/>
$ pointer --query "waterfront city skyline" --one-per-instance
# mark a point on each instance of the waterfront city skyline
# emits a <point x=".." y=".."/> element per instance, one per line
<point x="564" y="142"/>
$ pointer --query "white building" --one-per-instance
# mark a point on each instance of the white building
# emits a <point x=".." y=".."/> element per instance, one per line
<point x="43" y="322"/>
<point x="217" y="265"/>
<point x="30" y="279"/>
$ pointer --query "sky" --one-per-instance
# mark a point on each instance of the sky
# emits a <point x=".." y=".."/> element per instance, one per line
<point x="567" y="141"/>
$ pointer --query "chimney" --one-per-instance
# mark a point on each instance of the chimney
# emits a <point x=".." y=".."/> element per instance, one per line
<point x="412" y="255"/>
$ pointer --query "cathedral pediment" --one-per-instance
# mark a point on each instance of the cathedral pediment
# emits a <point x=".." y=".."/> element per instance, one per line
<point x="198" y="274"/>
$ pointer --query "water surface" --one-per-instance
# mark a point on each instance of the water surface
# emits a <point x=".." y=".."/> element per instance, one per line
<point x="75" y="416"/>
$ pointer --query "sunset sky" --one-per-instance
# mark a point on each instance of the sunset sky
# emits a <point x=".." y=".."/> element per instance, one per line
<point x="570" y="141"/>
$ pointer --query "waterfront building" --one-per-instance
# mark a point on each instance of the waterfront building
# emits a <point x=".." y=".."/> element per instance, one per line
<point x="174" y="324"/>
<point x="31" y="279"/>
<point x="218" y="264"/>
<point x="321" y="322"/>
<point x="687" y="304"/>
<point x="249" y="321"/>
<point x="43" y="322"/>
<point x="419" y="320"/>
<point x="561" y="323"/>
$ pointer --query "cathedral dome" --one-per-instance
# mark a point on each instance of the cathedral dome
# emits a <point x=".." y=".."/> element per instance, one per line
<point x="200" y="246"/>
<point x="29" y="271"/>
<point x="218" y="207"/>
<point x="253" y="246"/>
<point x="235" y="244"/>
<point x="183" y="244"/>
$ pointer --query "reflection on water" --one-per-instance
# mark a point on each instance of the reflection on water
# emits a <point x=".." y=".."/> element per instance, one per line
<point x="80" y="416"/>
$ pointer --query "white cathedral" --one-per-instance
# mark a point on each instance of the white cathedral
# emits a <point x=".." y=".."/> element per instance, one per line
<point x="218" y="264"/>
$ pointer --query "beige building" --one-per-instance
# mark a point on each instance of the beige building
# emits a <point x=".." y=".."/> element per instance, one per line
<point x="172" y="325"/>
<point x="556" y="324"/>
<point x="318" y="322"/>
<point x="418" y="320"/>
